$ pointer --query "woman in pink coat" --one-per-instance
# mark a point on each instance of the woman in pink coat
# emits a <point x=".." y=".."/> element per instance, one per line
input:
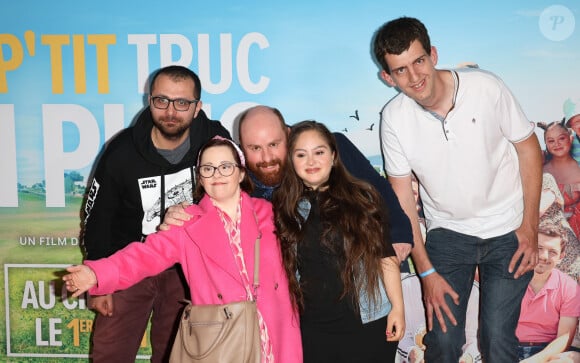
<point x="226" y="219"/>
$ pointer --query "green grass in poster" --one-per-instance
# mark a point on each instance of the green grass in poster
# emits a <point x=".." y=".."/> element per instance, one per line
<point x="39" y="321"/>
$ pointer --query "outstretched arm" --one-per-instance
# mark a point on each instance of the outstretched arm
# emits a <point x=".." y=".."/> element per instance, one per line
<point x="80" y="279"/>
<point x="435" y="287"/>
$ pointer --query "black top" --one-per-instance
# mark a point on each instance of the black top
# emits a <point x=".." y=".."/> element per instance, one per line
<point x="320" y="268"/>
<point x="360" y="167"/>
<point x="133" y="185"/>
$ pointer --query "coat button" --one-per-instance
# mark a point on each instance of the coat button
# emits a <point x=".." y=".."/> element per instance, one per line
<point x="220" y="296"/>
<point x="276" y="286"/>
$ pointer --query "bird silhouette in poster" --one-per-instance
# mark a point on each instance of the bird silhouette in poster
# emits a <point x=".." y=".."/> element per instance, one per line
<point x="370" y="128"/>
<point x="355" y="116"/>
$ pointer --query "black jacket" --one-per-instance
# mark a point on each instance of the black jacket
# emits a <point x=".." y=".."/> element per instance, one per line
<point x="360" y="167"/>
<point x="133" y="185"/>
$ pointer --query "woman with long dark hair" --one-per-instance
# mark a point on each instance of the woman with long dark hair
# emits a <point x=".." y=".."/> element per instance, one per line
<point x="343" y="272"/>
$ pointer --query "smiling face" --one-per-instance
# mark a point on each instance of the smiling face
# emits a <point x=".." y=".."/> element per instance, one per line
<point x="413" y="72"/>
<point x="558" y="141"/>
<point x="550" y="253"/>
<point x="218" y="187"/>
<point x="264" y="139"/>
<point x="312" y="158"/>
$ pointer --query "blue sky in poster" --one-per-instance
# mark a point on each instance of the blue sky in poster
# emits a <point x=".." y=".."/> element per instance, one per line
<point x="317" y="59"/>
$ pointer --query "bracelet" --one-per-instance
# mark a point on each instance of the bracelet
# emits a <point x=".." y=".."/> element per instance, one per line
<point x="427" y="273"/>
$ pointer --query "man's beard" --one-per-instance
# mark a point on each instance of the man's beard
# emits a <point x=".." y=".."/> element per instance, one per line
<point x="269" y="178"/>
<point x="174" y="132"/>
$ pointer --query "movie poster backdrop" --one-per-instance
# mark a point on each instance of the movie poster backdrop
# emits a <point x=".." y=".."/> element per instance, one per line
<point x="73" y="74"/>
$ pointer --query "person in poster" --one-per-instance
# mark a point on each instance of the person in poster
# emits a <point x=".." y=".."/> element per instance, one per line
<point x="564" y="168"/>
<point x="550" y="305"/>
<point x="552" y="213"/>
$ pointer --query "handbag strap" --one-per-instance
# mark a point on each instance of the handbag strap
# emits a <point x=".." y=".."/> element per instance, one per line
<point x="257" y="259"/>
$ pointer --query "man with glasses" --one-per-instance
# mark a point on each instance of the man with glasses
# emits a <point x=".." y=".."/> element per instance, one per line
<point x="145" y="169"/>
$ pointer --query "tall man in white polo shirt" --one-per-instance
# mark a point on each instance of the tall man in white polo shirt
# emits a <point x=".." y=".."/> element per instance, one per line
<point x="478" y="162"/>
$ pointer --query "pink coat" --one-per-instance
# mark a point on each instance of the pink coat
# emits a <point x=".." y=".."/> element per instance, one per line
<point x="202" y="248"/>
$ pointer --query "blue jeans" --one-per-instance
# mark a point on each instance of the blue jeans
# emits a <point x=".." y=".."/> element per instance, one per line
<point x="455" y="256"/>
<point x="526" y="352"/>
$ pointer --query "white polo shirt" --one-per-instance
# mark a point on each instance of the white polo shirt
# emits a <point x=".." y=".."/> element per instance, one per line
<point x="466" y="165"/>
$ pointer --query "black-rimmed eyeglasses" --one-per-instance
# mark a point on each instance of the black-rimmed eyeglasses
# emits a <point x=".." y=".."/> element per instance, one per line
<point x="180" y="104"/>
<point x="225" y="169"/>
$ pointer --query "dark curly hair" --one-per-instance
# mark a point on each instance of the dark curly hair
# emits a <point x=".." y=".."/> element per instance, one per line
<point x="349" y="208"/>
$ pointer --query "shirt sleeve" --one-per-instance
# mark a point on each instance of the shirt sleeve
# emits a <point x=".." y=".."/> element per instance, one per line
<point x="514" y="124"/>
<point x="396" y="162"/>
<point x="137" y="261"/>
<point x="100" y="210"/>
<point x="571" y="296"/>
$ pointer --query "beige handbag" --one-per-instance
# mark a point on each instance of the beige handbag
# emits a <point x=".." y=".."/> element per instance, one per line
<point x="220" y="333"/>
